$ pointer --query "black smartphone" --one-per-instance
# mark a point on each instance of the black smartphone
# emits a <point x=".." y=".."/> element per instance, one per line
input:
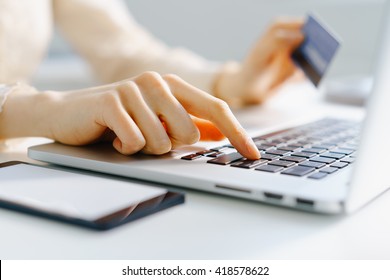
<point x="80" y="198"/>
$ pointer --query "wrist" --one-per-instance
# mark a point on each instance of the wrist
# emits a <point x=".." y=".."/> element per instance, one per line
<point x="25" y="113"/>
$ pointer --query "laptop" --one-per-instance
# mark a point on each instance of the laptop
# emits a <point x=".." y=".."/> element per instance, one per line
<point x="327" y="166"/>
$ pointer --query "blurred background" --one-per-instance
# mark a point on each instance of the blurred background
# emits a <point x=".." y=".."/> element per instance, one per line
<point x="225" y="29"/>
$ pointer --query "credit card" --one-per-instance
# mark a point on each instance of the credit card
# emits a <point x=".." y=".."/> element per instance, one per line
<point x="317" y="51"/>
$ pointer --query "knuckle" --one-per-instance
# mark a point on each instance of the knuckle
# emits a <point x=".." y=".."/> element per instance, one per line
<point x="173" y="78"/>
<point x="151" y="74"/>
<point x="189" y="138"/>
<point x="110" y="98"/>
<point x="159" y="147"/>
<point x="138" y="144"/>
<point x="153" y="84"/>
<point x="192" y="137"/>
<point x="129" y="92"/>
<point x="126" y="88"/>
<point x="135" y="146"/>
<point x="149" y="77"/>
<point x="190" y="134"/>
<point x="220" y="107"/>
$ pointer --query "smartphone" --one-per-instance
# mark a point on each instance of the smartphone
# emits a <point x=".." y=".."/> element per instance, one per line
<point x="79" y="198"/>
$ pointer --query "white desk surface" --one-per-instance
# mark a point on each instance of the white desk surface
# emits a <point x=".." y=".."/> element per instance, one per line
<point x="210" y="226"/>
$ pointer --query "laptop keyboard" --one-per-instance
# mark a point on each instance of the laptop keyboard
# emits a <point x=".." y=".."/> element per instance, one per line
<point x="315" y="150"/>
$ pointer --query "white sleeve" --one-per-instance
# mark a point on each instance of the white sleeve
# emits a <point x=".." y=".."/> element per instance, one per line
<point x="4" y="91"/>
<point x="117" y="48"/>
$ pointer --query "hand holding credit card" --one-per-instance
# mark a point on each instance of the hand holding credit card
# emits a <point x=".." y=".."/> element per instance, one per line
<point x="317" y="51"/>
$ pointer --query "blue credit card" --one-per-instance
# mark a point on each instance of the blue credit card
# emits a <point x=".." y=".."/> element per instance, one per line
<point x="317" y="51"/>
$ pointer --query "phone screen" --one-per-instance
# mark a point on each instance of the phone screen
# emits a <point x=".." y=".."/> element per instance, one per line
<point x="79" y="198"/>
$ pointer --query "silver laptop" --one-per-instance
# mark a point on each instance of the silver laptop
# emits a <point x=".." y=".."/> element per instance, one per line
<point x="328" y="166"/>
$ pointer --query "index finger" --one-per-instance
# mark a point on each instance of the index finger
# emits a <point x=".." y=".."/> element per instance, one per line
<point x="203" y="105"/>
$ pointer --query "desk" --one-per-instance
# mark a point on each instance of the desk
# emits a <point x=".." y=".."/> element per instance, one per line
<point x="210" y="226"/>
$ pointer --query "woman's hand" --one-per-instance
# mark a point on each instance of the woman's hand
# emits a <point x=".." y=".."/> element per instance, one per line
<point x="266" y="66"/>
<point x="149" y="113"/>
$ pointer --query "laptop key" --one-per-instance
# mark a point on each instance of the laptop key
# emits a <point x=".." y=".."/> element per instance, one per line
<point x="295" y="145"/>
<point x="339" y="164"/>
<point x="268" y="156"/>
<point x="348" y="147"/>
<point x="312" y="164"/>
<point x="294" y="159"/>
<point x="287" y="148"/>
<point x="191" y="157"/>
<point x="249" y="163"/>
<point x="318" y="175"/>
<point x="302" y="154"/>
<point x="226" y="159"/>
<point x="348" y="160"/>
<point x="218" y="149"/>
<point x="229" y="146"/>
<point x="277" y="152"/>
<point x="272" y="134"/>
<point x="343" y="151"/>
<point x="329" y="170"/>
<point x="298" y="171"/>
<point x="205" y="152"/>
<point x="333" y="155"/>
<point x="275" y="142"/>
<point x="326" y="145"/>
<point x="322" y="146"/>
<point x="323" y="160"/>
<point x="282" y="163"/>
<point x="263" y="147"/>
<point x="314" y="150"/>
<point x="215" y="154"/>
<point x="269" y="168"/>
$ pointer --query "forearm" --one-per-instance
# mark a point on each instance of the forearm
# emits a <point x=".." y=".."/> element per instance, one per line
<point x="117" y="47"/>
<point x="189" y="66"/>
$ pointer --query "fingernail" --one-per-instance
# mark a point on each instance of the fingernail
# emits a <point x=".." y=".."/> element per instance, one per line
<point x="252" y="149"/>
